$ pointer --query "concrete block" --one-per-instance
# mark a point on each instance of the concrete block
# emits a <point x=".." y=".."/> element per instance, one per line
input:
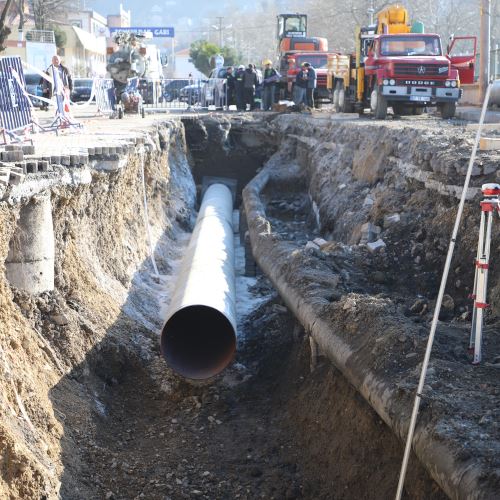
<point x="55" y="160"/>
<point x="91" y="151"/>
<point x="16" y="178"/>
<point x="74" y="160"/>
<point x="28" y="149"/>
<point x="66" y="160"/>
<point x="4" y="177"/>
<point x="98" y="150"/>
<point x="489" y="144"/>
<point x="43" y="166"/>
<point x="13" y="147"/>
<point x="18" y="155"/>
<point x="21" y="166"/>
<point x="31" y="167"/>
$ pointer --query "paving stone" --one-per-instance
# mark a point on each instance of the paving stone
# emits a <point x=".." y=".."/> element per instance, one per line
<point x="65" y="160"/>
<point x="31" y="167"/>
<point x="43" y="166"/>
<point x="16" y="178"/>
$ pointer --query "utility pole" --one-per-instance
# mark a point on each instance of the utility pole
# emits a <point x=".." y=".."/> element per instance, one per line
<point x="220" y="19"/>
<point x="484" y="60"/>
<point x="371" y="12"/>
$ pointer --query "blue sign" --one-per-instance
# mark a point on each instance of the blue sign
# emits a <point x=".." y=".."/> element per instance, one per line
<point x="156" y="32"/>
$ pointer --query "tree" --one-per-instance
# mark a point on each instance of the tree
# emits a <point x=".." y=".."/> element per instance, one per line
<point x="46" y="12"/>
<point x="201" y="53"/>
<point x="60" y="37"/>
<point x="4" y="29"/>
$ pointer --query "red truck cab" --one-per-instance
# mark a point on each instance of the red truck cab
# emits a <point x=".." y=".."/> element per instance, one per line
<point x="411" y="71"/>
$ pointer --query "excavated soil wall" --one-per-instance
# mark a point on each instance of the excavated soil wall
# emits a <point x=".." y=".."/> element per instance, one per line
<point x="382" y="199"/>
<point x="47" y="339"/>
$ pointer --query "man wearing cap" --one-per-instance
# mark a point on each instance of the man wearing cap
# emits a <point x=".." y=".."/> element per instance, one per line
<point x="238" y="88"/>
<point x="311" y="84"/>
<point x="271" y="79"/>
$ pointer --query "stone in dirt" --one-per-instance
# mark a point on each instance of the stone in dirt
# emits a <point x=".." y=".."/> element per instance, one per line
<point x="390" y="220"/>
<point x="311" y="244"/>
<point x="320" y="242"/>
<point x="369" y="233"/>
<point x="376" y="246"/>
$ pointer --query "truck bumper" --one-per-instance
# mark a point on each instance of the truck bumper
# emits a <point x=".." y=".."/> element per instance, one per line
<point x="423" y="95"/>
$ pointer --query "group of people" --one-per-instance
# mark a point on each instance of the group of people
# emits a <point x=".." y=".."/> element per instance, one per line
<point x="246" y="86"/>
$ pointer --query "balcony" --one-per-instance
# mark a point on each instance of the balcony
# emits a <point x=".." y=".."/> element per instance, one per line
<point x="44" y="36"/>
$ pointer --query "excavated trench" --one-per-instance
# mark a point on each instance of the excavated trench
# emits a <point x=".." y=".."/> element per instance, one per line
<point x="118" y="424"/>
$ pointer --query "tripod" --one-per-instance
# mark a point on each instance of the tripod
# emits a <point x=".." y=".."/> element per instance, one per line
<point x="489" y="205"/>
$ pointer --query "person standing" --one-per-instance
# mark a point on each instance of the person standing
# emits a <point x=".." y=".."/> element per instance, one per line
<point x="271" y="79"/>
<point x="311" y="84"/>
<point x="230" y="86"/>
<point x="238" y="88"/>
<point x="61" y="72"/>
<point x="250" y="81"/>
<point x="300" y="87"/>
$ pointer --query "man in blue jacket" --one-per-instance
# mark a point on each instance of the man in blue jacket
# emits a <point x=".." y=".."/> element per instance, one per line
<point x="311" y="84"/>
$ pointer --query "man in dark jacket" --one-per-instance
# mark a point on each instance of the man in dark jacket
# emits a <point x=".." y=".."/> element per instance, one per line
<point x="238" y="88"/>
<point x="311" y="84"/>
<point x="57" y="70"/>
<point x="300" y="87"/>
<point x="230" y="82"/>
<point x="271" y="79"/>
<point x="250" y="81"/>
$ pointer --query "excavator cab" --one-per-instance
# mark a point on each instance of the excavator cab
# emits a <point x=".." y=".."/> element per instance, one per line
<point x="292" y="25"/>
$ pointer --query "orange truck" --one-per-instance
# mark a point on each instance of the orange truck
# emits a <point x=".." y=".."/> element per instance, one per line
<point x="294" y="46"/>
<point x="397" y="65"/>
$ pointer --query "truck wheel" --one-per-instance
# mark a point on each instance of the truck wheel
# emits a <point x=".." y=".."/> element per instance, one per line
<point x="345" y="106"/>
<point x="448" y="110"/>
<point x="336" y="99"/>
<point x="378" y="104"/>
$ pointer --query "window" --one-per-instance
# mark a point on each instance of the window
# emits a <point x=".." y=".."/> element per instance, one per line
<point x="410" y="46"/>
<point x="314" y="60"/>
<point x="76" y="23"/>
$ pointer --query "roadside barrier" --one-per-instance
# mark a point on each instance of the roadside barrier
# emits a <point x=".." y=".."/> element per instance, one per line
<point x="104" y="92"/>
<point x="183" y="94"/>
<point x="16" y="116"/>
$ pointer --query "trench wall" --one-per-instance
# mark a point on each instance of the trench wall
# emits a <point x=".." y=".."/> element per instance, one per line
<point x="100" y="245"/>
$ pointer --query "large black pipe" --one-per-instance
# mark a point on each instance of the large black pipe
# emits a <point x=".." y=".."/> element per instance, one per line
<point x="198" y="339"/>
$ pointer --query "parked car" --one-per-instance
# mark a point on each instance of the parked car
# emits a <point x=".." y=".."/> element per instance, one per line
<point x="214" y="89"/>
<point x="33" y="87"/>
<point x="82" y="89"/>
<point x="172" y="89"/>
<point x="190" y="94"/>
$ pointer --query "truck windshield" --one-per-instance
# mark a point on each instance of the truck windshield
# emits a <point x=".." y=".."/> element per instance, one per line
<point x="410" y="46"/>
<point x="316" y="61"/>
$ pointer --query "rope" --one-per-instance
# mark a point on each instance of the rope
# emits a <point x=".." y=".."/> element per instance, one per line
<point x="146" y="219"/>
<point x="444" y="279"/>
